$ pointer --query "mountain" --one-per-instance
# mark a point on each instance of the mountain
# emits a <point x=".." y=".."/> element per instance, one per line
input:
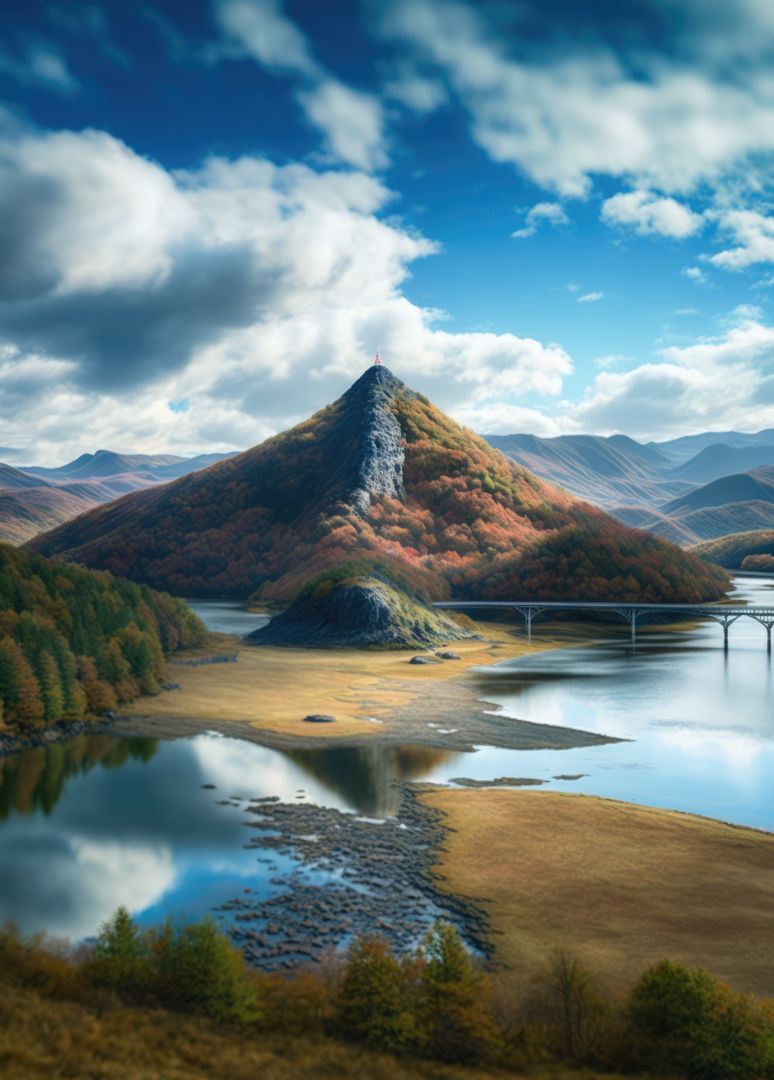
<point x="75" y="642"/>
<point x="721" y="460"/>
<point x="383" y="477"/>
<point x="742" y="550"/>
<point x="688" y="446"/>
<point x="35" y="499"/>
<point x="757" y="486"/>
<point x="606" y="471"/>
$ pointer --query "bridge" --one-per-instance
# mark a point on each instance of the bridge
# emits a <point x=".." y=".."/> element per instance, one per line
<point x="631" y="613"/>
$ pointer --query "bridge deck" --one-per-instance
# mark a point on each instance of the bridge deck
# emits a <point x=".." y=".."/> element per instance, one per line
<point x="608" y="605"/>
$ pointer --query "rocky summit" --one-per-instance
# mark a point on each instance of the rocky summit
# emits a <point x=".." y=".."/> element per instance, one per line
<point x="382" y="481"/>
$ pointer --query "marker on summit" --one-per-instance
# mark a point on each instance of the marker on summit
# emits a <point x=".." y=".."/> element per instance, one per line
<point x="377" y="359"/>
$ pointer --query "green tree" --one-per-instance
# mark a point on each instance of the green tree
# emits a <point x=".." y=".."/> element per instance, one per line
<point x="374" y="1004"/>
<point x="694" y="1025"/>
<point x="121" y="955"/>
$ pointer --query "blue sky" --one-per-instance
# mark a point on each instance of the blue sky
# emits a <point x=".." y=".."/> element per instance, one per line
<point x="550" y="217"/>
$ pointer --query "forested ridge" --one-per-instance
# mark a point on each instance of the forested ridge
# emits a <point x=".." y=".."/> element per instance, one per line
<point x="466" y="520"/>
<point x="76" y="642"/>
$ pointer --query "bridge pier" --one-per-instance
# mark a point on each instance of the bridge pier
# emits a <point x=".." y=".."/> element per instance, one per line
<point x="631" y="615"/>
<point x="767" y="624"/>
<point x="528" y="613"/>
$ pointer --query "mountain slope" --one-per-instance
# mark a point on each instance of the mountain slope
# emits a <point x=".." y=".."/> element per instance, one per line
<point x="720" y="460"/>
<point x="606" y="471"/>
<point x="384" y="476"/>
<point x="757" y="486"/>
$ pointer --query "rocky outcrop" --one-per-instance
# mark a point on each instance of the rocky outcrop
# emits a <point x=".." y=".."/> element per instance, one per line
<point x="378" y="466"/>
<point x="356" y="613"/>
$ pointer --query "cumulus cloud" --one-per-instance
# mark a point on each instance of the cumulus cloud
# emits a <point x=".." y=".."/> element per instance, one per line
<point x="551" y="213"/>
<point x="590" y="298"/>
<point x="648" y="214"/>
<point x="753" y="236"/>
<point x="352" y="122"/>
<point x="725" y="381"/>
<point x="695" y="274"/>
<point x="252" y="291"/>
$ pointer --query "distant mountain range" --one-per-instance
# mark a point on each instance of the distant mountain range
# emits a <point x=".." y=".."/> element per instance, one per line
<point x="34" y="499"/>
<point x="379" y="483"/>
<point x="686" y="490"/>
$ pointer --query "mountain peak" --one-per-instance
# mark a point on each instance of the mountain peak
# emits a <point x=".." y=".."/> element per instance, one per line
<point x="378" y="466"/>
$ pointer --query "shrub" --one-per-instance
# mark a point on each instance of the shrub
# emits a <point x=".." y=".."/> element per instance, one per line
<point x="375" y="999"/>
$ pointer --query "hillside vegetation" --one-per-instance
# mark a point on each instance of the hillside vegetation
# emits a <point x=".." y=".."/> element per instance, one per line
<point x="75" y="642"/>
<point x="380" y="475"/>
<point x="177" y="1001"/>
<point x="751" y="550"/>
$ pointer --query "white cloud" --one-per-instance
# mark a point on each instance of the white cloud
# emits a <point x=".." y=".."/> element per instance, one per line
<point x="256" y="292"/>
<point x="563" y="115"/>
<point x="753" y="234"/>
<point x="351" y="121"/>
<point x="695" y="274"/>
<point x="649" y="214"/>
<point x="611" y="360"/>
<point x="715" y="383"/>
<point x="590" y="298"/>
<point x="551" y="213"/>
<point x="259" y="28"/>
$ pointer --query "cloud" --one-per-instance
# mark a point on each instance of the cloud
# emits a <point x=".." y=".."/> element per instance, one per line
<point x="41" y="65"/>
<point x="695" y="274"/>
<point x="590" y="298"/>
<point x="570" y="110"/>
<point x="550" y="212"/>
<point x="753" y="234"/>
<point x="725" y="381"/>
<point x="611" y="360"/>
<point x="649" y="214"/>
<point x="416" y="92"/>
<point x="259" y="28"/>
<point x="253" y="292"/>
<point x="352" y="121"/>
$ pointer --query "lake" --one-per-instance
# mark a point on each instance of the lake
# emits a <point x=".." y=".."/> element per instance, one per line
<point x="102" y="820"/>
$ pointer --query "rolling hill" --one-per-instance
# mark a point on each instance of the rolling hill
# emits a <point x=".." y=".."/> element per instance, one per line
<point x="734" y="550"/>
<point x="383" y="477"/>
<point x="35" y="499"/>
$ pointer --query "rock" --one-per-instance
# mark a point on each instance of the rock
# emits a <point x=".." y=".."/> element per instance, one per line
<point x="319" y="718"/>
<point x="208" y="787"/>
<point x="448" y="655"/>
<point x="423" y="660"/>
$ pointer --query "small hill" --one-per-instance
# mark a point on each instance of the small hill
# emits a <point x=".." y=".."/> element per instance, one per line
<point x="733" y="550"/>
<point x="75" y="642"/>
<point x="383" y="476"/>
<point x="686" y="447"/>
<point x="26" y="512"/>
<point x="339" y="610"/>
<point x="15" y="480"/>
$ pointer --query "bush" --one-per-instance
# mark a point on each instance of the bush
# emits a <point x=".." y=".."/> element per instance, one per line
<point x="375" y="1001"/>
<point x="695" y="1025"/>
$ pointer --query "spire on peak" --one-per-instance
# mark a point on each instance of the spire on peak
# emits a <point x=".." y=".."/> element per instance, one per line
<point x="377" y="359"/>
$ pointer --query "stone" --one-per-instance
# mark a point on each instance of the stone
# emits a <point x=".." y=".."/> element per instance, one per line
<point x="319" y="718"/>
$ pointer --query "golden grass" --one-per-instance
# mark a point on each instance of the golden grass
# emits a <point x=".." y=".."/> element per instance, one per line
<point x="619" y="886"/>
<point x="274" y="688"/>
<point x="43" y="1039"/>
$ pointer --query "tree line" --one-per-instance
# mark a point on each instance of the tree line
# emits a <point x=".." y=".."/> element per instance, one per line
<point x="436" y="1004"/>
<point x="76" y="642"/>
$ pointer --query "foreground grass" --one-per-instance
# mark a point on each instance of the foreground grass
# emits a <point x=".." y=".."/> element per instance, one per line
<point x="619" y="885"/>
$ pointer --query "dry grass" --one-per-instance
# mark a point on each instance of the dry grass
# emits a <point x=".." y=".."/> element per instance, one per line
<point x="41" y="1038"/>
<point x="620" y="886"/>
<point x="273" y="688"/>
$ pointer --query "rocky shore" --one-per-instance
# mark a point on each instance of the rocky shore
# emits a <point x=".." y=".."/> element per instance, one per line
<point x="356" y="877"/>
<point x="16" y="741"/>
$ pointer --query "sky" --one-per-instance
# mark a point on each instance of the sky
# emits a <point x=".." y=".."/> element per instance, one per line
<point x="548" y="216"/>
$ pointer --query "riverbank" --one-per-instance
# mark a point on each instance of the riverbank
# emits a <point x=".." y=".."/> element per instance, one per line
<point x="618" y="885"/>
<point x="374" y="696"/>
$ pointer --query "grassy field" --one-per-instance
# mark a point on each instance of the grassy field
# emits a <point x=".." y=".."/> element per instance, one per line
<point x="619" y="886"/>
<point x="274" y="688"/>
